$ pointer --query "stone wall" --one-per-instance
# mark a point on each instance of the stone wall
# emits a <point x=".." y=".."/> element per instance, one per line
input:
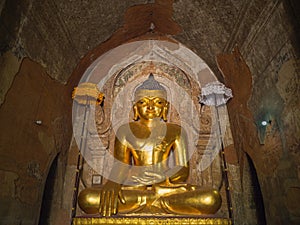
<point x="266" y="145"/>
<point x="34" y="130"/>
<point x="274" y="63"/>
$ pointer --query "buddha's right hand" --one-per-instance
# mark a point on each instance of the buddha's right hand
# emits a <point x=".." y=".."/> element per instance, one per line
<point x="149" y="178"/>
<point x="109" y="198"/>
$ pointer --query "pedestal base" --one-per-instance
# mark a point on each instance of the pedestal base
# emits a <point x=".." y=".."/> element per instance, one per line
<point x="151" y="220"/>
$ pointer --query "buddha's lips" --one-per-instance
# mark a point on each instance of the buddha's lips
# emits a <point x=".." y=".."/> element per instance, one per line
<point x="150" y="112"/>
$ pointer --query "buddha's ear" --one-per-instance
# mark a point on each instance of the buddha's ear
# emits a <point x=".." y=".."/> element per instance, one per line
<point x="135" y="112"/>
<point x="165" y="111"/>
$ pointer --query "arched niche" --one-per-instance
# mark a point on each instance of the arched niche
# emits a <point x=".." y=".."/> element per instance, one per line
<point x="50" y="187"/>
<point x="117" y="73"/>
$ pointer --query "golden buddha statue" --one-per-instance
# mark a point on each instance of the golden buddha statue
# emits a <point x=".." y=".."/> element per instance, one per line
<point x="141" y="179"/>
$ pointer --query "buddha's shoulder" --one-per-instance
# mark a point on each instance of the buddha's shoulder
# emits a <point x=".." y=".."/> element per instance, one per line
<point x="124" y="127"/>
<point x="175" y="127"/>
<point x="137" y="126"/>
<point x="129" y="126"/>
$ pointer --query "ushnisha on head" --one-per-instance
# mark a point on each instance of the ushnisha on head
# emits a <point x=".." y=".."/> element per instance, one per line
<point x="150" y="100"/>
<point x="150" y="87"/>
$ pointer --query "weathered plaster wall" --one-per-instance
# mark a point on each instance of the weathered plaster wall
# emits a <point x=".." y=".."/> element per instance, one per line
<point x="27" y="149"/>
<point x="274" y="63"/>
<point x="61" y="37"/>
<point x="276" y="168"/>
<point x="9" y="65"/>
<point x="273" y="59"/>
<point x="55" y="34"/>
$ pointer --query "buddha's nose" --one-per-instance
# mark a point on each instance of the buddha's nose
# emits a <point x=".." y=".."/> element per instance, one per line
<point x="150" y="105"/>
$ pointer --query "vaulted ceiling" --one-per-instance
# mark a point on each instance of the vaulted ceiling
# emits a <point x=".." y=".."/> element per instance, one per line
<point x="58" y="34"/>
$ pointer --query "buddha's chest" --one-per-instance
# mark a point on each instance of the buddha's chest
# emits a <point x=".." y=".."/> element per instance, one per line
<point x="149" y="152"/>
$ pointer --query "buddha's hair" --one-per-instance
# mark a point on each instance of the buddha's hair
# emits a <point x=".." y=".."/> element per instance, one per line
<point x="151" y="84"/>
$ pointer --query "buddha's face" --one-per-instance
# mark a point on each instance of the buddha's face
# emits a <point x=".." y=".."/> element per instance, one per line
<point x="151" y="107"/>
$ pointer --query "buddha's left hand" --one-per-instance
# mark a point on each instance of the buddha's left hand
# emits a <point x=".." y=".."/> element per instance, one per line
<point x="149" y="178"/>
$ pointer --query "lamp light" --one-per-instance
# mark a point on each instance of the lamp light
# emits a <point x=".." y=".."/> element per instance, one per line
<point x="265" y="122"/>
<point x="38" y="122"/>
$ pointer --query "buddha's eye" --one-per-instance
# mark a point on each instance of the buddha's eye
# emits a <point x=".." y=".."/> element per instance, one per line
<point x="159" y="102"/>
